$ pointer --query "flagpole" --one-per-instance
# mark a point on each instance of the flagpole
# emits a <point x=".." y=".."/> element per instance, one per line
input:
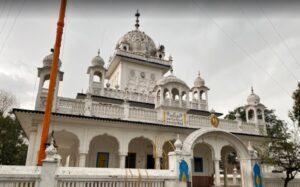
<point x="52" y="84"/>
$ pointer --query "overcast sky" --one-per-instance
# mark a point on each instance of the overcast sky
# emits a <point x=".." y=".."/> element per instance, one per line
<point x="234" y="45"/>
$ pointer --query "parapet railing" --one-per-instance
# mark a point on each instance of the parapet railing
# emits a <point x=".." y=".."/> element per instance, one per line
<point x="42" y="176"/>
<point x="117" y="111"/>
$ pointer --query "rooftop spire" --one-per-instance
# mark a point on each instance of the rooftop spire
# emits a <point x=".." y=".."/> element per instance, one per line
<point x="98" y="52"/>
<point x="137" y="15"/>
<point x="252" y="90"/>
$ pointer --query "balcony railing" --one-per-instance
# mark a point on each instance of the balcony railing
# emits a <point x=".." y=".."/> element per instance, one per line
<point x="117" y="111"/>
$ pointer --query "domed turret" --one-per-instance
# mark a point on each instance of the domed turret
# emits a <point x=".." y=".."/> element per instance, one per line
<point x="47" y="61"/>
<point x="171" y="91"/>
<point x="253" y="99"/>
<point x="199" y="93"/>
<point x="199" y="82"/>
<point x="97" y="75"/>
<point x="254" y="109"/>
<point x="97" y="60"/>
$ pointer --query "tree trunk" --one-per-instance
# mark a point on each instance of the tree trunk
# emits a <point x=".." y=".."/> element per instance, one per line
<point x="286" y="181"/>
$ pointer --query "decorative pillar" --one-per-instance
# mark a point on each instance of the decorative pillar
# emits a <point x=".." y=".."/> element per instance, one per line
<point x="157" y="162"/>
<point x="161" y="97"/>
<point x="217" y="172"/>
<point x="246" y="172"/>
<point x="171" y="97"/>
<point x="187" y="99"/>
<point x="82" y="159"/>
<point x="234" y="176"/>
<point x="88" y="105"/>
<point x="30" y="151"/>
<point x="122" y="160"/>
<point x="126" y="110"/>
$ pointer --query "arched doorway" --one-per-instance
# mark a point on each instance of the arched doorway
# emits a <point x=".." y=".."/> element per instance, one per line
<point x="103" y="152"/>
<point x="67" y="147"/>
<point x="217" y="139"/>
<point x="230" y="166"/>
<point x="202" y="165"/>
<point x="140" y="154"/>
<point x="167" y="147"/>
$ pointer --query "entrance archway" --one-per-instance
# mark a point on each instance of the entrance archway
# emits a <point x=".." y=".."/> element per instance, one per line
<point x="217" y="139"/>
<point x="140" y="154"/>
<point x="202" y="165"/>
<point x="103" y="152"/>
<point x="67" y="147"/>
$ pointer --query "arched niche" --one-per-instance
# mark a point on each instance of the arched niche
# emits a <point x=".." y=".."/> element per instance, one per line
<point x="67" y="147"/>
<point x="140" y="154"/>
<point x="103" y="152"/>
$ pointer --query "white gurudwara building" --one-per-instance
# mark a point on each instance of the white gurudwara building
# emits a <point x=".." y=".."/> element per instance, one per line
<point x="135" y="112"/>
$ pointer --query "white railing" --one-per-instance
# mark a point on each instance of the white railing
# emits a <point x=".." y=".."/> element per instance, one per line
<point x="107" y="110"/>
<point x="19" y="176"/>
<point x="198" y="121"/>
<point x="97" y="109"/>
<point x="149" y="59"/>
<point x="70" y="106"/>
<point x="142" y="114"/>
<point x="111" y="177"/>
<point x="132" y="96"/>
<point x="250" y="128"/>
<point x="54" y="176"/>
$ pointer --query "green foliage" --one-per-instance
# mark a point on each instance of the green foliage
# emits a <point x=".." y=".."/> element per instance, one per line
<point x="13" y="150"/>
<point x="282" y="151"/>
<point x="295" y="113"/>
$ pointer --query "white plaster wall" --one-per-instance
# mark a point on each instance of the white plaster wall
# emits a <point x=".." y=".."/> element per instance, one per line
<point x="139" y="82"/>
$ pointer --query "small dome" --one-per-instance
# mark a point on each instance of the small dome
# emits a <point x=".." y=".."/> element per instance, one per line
<point x="171" y="79"/>
<point x="47" y="61"/>
<point x="97" y="60"/>
<point x="137" y="42"/>
<point x="199" y="82"/>
<point x="253" y="99"/>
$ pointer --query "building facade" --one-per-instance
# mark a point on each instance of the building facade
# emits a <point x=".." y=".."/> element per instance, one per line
<point x="136" y="111"/>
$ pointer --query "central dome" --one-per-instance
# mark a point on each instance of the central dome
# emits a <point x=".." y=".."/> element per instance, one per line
<point x="137" y="42"/>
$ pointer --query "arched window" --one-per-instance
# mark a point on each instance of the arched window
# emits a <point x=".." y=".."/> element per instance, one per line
<point x="46" y="82"/>
<point x="195" y="95"/>
<point x="250" y="114"/>
<point x="175" y="94"/>
<point x="97" y="77"/>
<point x="202" y="95"/>
<point x="259" y="114"/>
<point x="183" y="96"/>
<point x="166" y="94"/>
<point x="158" y="96"/>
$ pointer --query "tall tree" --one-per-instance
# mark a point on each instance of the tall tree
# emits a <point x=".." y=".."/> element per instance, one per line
<point x="12" y="138"/>
<point x="295" y="113"/>
<point x="283" y="149"/>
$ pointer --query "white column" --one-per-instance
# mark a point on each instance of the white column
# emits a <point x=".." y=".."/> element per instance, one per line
<point x="30" y="151"/>
<point x="82" y="159"/>
<point x="246" y="172"/>
<point x="122" y="160"/>
<point x="217" y="172"/>
<point x="157" y="162"/>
